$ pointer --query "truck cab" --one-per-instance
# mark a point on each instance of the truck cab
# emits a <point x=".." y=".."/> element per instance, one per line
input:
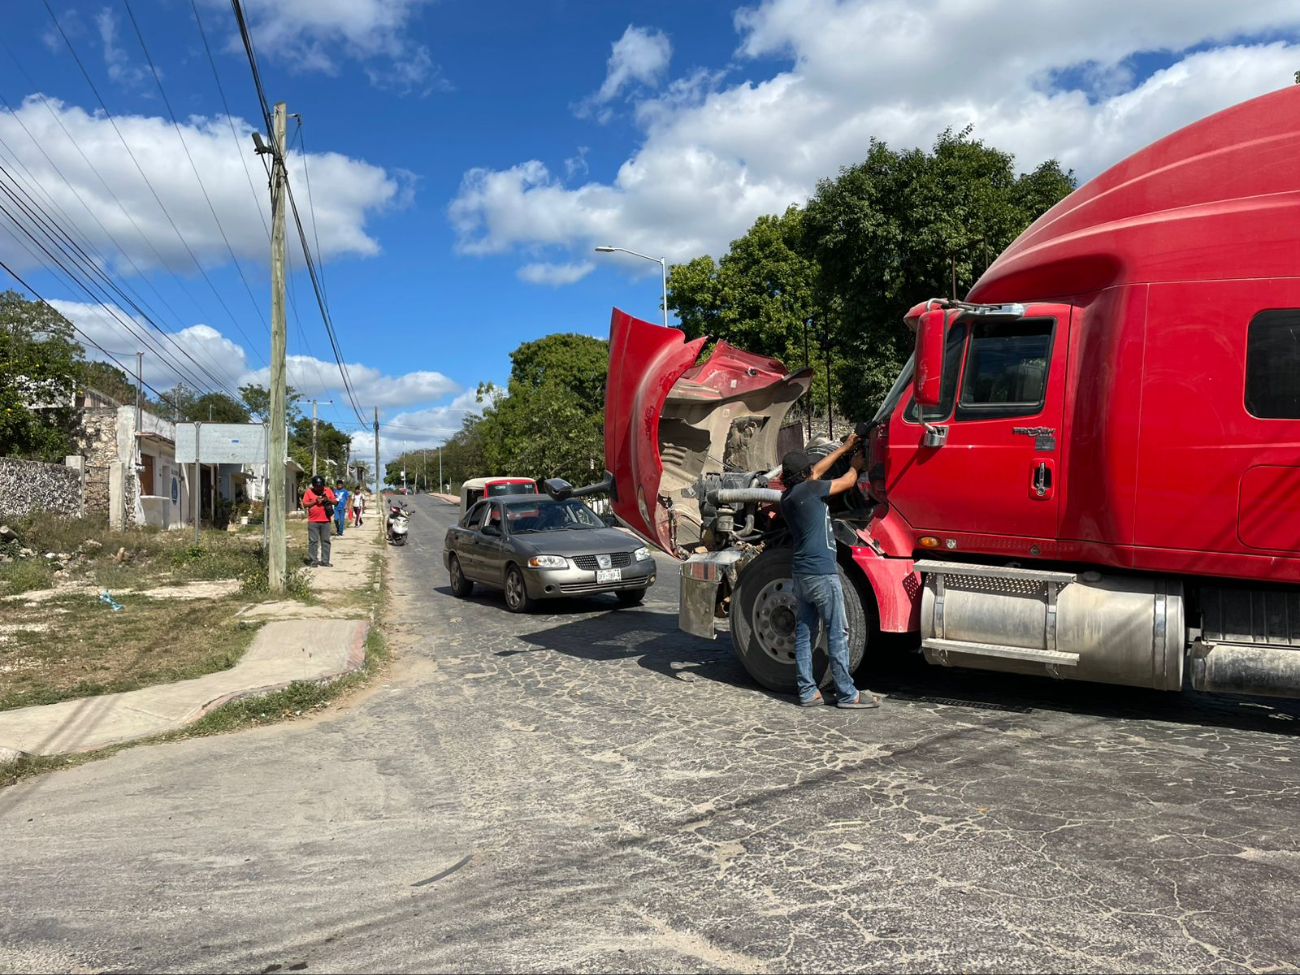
<point x="1089" y="469"/>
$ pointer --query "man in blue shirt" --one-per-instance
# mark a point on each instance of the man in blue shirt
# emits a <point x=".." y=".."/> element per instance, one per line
<point x="816" y="581"/>
<point x="342" y="496"/>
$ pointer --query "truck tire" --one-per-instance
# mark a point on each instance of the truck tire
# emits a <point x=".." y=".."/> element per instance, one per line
<point x="763" y="622"/>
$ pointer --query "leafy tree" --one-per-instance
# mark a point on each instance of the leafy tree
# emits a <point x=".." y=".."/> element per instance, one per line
<point x="759" y="296"/>
<point x="894" y="229"/>
<point x="106" y="378"/>
<point x="257" y="400"/>
<point x="332" y="446"/>
<point x="550" y="423"/>
<point x="39" y="362"/>
<point x="217" y="408"/>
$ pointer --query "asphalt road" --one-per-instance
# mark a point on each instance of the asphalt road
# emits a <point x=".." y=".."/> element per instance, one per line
<point x="587" y="789"/>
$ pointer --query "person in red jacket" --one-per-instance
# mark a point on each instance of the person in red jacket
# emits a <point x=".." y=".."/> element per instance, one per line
<point x="319" y="502"/>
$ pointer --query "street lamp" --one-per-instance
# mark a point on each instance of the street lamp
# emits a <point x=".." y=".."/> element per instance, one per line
<point x="663" y="268"/>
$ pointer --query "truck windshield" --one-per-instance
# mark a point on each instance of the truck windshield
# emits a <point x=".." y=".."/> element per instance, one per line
<point x="896" y="391"/>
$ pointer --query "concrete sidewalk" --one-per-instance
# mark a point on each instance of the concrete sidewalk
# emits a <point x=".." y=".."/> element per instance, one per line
<point x="282" y="653"/>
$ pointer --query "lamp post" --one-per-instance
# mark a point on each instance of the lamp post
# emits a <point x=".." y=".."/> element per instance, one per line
<point x="663" y="269"/>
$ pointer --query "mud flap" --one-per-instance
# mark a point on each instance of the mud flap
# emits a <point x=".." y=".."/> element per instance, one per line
<point x="701" y="575"/>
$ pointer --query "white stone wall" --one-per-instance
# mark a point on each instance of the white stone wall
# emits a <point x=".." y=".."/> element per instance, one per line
<point x="28" y="486"/>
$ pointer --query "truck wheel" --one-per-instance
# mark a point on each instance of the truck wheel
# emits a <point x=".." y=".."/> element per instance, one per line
<point x="763" y="611"/>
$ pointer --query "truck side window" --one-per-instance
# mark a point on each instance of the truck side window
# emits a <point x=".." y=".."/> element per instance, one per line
<point x="1006" y="369"/>
<point x="953" y="347"/>
<point x="1273" y="365"/>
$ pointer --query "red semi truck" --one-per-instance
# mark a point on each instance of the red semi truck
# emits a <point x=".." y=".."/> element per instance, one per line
<point x="1089" y="469"/>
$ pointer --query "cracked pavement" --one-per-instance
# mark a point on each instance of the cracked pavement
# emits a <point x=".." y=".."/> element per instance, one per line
<point x="588" y="789"/>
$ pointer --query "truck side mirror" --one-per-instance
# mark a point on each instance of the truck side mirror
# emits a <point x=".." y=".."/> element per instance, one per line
<point x="926" y="380"/>
<point x="558" y="488"/>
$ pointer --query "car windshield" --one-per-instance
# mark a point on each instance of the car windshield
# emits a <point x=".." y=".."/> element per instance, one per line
<point x="900" y="386"/>
<point x="550" y="517"/>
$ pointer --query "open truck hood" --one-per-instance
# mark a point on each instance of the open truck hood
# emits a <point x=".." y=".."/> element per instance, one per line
<point x="668" y="421"/>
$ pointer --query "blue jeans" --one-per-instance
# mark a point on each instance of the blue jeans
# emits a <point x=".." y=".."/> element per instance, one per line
<point x="821" y="599"/>
<point x="340" y="519"/>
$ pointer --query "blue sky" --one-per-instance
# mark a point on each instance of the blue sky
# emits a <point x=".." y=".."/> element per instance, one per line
<point x="465" y="157"/>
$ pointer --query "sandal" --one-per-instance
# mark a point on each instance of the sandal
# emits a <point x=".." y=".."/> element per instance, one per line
<point x="860" y="703"/>
<point x="815" y="701"/>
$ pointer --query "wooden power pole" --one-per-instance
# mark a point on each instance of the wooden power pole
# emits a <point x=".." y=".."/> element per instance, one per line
<point x="277" y="450"/>
<point x="381" y="516"/>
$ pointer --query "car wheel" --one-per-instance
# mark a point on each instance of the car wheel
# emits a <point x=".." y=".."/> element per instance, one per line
<point x="517" y="598"/>
<point x="630" y="597"/>
<point x="763" y="609"/>
<point x="460" y="586"/>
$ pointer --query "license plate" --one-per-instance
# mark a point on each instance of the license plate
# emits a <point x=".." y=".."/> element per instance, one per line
<point x="609" y="575"/>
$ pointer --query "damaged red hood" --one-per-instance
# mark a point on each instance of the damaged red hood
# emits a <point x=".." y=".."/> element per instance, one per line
<point x="668" y="421"/>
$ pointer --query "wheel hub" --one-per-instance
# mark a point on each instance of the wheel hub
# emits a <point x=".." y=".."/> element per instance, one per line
<point x="775" y="616"/>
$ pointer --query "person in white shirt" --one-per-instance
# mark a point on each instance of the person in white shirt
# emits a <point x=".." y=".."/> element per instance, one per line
<point x="358" y="507"/>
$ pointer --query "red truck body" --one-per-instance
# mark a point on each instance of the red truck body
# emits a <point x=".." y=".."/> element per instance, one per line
<point x="1110" y="433"/>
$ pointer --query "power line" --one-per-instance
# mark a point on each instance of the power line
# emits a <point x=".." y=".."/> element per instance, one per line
<point x="181" y="135"/>
<point x="311" y="207"/>
<point x="95" y="298"/>
<point x="89" y="210"/>
<point x="251" y="53"/>
<point x="113" y="122"/>
<point x="42" y="300"/>
<point x="243" y="156"/>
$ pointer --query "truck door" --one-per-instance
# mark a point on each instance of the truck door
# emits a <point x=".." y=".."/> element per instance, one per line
<point x="987" y="463"/>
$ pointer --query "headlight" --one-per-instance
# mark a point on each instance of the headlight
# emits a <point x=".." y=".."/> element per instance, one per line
<point x="643" y="554"/>
<point x="548" y="562"/>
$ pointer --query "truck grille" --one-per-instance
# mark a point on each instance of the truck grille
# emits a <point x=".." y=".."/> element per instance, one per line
<point x="618" y="560"/>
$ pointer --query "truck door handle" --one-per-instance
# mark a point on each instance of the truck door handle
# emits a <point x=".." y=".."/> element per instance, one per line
<point x="1041" y="485"/>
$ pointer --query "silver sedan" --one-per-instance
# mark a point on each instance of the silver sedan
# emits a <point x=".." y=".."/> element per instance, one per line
<point x="537" y="548"/>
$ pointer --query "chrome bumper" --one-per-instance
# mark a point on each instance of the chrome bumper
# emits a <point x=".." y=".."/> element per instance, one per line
<point x="555" y="583"/>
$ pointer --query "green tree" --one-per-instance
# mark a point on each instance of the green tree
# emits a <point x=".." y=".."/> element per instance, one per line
<point x="894" y="229"/>
<point x="550" y="423"/>
<point x="217" y="407"/>
<point x="332" y="446"/>
<point x="759" y="296"/>
<point x="257" y="400"/>
<point x="39" y="363"/>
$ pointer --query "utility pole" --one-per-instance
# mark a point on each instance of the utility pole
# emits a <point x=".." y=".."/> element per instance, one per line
<point x="381" y="515"/>
<point x="139" y="388"/>
<point x="440" y="470"/>
<point x="277" y="449"/>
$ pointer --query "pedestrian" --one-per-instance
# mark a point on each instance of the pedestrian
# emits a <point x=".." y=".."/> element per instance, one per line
<point x="319" y="502"/>
<point x="341" y="494"/>
<point x="358" y="507"/>
<point x="817" y="588"/>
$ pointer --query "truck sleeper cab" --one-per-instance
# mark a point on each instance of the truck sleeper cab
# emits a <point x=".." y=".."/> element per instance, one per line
<point x="1090" y="469"/>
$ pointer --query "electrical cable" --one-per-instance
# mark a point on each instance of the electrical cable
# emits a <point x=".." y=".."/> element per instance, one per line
<point x="126" y="145"/>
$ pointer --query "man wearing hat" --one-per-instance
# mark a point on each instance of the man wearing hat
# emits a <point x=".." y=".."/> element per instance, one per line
<point x="816" y="581"/>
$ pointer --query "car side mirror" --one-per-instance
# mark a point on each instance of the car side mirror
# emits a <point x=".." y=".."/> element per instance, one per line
<point x="927" y="380"/>
<point x="558" y="488"/>
<point x="493" y="530"/>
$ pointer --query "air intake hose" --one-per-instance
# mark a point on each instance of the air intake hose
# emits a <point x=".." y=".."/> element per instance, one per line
<point x="744" y="496"/>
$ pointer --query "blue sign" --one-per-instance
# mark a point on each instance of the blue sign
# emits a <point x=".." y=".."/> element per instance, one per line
<point x="176" y="489"/>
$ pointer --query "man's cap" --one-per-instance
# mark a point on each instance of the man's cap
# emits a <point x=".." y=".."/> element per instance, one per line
<point x="795" y="461"/>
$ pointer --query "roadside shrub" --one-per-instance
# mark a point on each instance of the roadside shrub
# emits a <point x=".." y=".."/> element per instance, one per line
<point x="257" y="582"/>
<point x="23" y="575"/>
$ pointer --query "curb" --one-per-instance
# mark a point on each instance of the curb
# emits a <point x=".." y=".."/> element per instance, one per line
<point x="355" y="661"/>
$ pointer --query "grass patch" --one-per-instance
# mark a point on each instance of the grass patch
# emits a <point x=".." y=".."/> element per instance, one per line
<point x="78" y="647"/>
<point x="294" y="701"/>
<point x="24" y="575"/>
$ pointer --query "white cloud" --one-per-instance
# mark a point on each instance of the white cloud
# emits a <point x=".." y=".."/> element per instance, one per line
<point x="712" y="156"/>
<point x="640" y="56"/>
<point x="417" y="429"/>
<point x="88" y="171"/>
<point x="312" y="35"/>
<point x="202" y="355"/>
<point x="555" y="275"/>
<point x="120" y="68"/>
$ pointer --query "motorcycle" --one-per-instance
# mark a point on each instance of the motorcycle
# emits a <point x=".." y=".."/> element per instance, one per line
<point x="398" y="524"/>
